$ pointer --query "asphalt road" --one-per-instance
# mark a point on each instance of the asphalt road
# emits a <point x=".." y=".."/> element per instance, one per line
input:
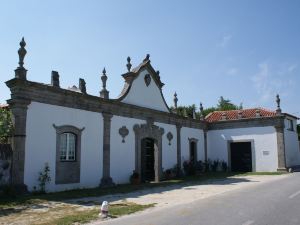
<point x="272" y="203"/>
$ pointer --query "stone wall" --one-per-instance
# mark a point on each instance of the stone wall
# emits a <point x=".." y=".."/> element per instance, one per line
<point x="5" y="164"/>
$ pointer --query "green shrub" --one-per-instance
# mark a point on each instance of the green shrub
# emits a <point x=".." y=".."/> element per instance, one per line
<point x="44" y="178"/>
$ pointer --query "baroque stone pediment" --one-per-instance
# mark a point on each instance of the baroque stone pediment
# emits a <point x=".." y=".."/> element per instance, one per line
<point x="148" y="129"/>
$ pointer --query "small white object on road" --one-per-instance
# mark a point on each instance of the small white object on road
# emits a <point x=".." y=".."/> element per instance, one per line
<point x="249" y="222"/>
<point x="104" y="209"/>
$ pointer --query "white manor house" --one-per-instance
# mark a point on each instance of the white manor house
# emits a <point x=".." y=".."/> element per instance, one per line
<point x="89" y="141"/>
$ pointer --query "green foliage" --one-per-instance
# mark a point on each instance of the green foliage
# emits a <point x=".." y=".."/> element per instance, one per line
<point x="189" y="168"/>
<point x="8" y="190"/>
<point x="44" y="178"/>
<point x="79" y="218"/>
<point x="125" y="208"/>
<point x="223" y="105"/>
<point x="216" y="166"/>
<point x="6" y="125"/>
<point x="186" y="111"/>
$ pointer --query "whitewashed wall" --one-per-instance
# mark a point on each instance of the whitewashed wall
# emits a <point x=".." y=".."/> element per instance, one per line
<point x="122" y="155"/>
<point x="141" y="95"/>
<point x="187" y="133"/>
<point x="41" y="144"/>
<point x="169" y="152"/>
<point x="264" y="140"/>
<point x="292" y="152"/>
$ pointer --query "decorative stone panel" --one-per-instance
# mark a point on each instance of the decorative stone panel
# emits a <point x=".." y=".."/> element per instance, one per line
<point x="147" y="79"/>
<point x="123" y="131"/>
<point x="170" y="137"/>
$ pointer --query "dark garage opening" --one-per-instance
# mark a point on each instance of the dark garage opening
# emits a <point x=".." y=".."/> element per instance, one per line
<point x="241" y="157"/>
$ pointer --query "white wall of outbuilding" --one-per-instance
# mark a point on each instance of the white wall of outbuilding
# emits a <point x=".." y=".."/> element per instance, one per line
<point x="292" y="152"/>
<point x="264" y="147"/>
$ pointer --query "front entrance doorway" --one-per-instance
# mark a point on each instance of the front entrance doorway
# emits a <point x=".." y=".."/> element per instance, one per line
<point x="193" y="152"/>
<point x="147" y="160"/>
<point x="241" y="157"/>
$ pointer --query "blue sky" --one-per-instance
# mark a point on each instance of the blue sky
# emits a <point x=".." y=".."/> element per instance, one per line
<point x="246" y="51"/>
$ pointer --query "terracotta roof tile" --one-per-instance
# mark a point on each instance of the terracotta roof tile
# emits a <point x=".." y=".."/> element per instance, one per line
<point x="3" y="105"/>
<point x="239" y="114"/>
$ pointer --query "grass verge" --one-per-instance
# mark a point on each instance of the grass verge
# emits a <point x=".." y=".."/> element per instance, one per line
<point x="115" y="210"/>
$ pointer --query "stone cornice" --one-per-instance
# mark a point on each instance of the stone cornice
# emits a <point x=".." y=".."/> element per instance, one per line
<point x="245" y="123"/>
<point x="23" y="92"/>
<point x="27" y="91"/>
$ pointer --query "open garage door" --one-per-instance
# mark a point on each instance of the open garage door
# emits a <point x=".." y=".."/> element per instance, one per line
<point x="241" y="157"/>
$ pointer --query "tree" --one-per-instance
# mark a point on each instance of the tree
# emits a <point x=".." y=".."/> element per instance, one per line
<point x="223" y="105"/>
<point x="6" y="125"/>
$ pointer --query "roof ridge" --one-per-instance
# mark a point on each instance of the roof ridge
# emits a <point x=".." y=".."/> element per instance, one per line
<point x="232" y="110"/>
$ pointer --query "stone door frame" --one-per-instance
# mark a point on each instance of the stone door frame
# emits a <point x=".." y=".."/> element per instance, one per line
<point x="149" y="130"/>
<point x="253" y="153"/>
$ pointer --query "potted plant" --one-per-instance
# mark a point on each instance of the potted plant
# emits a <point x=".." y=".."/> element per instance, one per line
<point x="135" y="178"/>
<point x="224" y="166"/>
<point x="199" y="167"/>
<point x="168" y="174"/>
<point x="215" y="165"/>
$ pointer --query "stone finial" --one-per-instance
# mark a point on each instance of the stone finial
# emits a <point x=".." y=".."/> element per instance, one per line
<point x="21" y="72"/>
<point x="223" y="116"/>
<point x="104" y="93"/>
<point x="104" y="78"/>
<point x="278" y="110"/>
<point x="146" y="58"/>
<point x="175" y="100"/>
<point x="201" y="112"/>
<point x="194" y="114"/>
<point x="240" y="114"/>
<point x="82" y="86"/>
<point x="257" y="113"/>
<point x="55" y="79"/>
<point x="22" y="52"/>
<point x="157" y="73"/>
<point x="128" y="64"/>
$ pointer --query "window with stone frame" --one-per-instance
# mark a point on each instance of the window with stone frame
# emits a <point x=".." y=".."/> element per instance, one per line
<point x="68" y="154"/>
<point x="67" y="147"/>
